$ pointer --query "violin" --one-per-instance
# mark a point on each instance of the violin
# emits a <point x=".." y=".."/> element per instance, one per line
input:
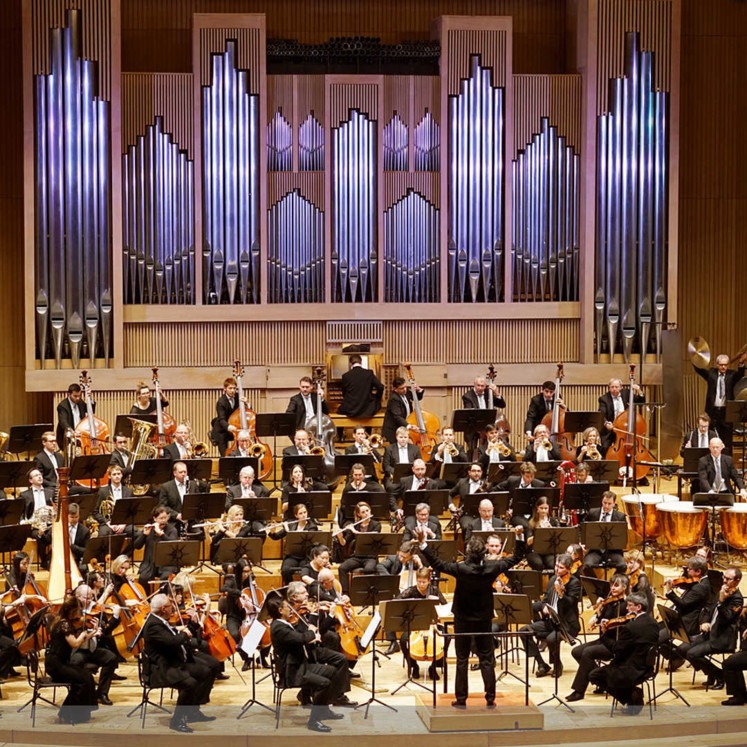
<point x="634" y="576"/>
<point x="684" y="582"/>
<point x="615" y="622"/>
<point x="611" y="598"/>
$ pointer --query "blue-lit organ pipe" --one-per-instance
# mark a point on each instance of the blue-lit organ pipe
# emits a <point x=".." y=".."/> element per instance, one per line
<point x="395" y="145"/>
<point x="231" y="253"/>
<point x="427" y="144"/>
<point x="158" y="220"/>
<point x="310" y="145"/>
<point x="295" y="272"/>
<point x="411" y="249"/>
<point x="476" y="173"/>
<point x="354" y="259"/>
<point x="72" y="139"/>
<point x="279" y="144"/>
<point x="632" y="214"/>
<point x="544" y="223"/>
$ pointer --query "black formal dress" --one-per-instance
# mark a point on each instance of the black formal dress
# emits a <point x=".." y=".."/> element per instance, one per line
<point x="366" y="563"/>
<point x="151" y="408"/>
<point x="361" y="393"/>
<point x="148" y="568"/>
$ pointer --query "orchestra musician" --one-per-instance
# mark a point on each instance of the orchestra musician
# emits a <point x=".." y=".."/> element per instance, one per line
<point x="233" y="606"/>
<point x="37" y="496"/>
<point x="121" y="456"/>
<point x="248" y="487"/>
<point x="303" y="404"/>
<point x="49" y="459"/>
<point x="486" y="521"/>
<point x="469" y="485"/>
<point x="717" y="472"/>
<point x="418" y="479"/>
<point x="591" y="446"/>
<point x="496" y="449"/>
<point x="300" y="523"/>
<point x="361" y="445"/>
<point x="180" y="448"/>
<point x="119" y="567"/>
<point x="477" y="399"/>
<point x="232" y="527"/>
<point x="422" y="521"/>
<point x="398" y="408"/>
<point x="540" y="448"/>
<point x="79" y="534"/>
<point x="222" y="432"/>
<point x="611" y="608"/>
<point x="298" y="483"/>
<point x="67" y="634"/>
<point x="362" y="522"/>
<point x="540" y="518"/>
<point x="525" y="479"/>
<point x="448" y="451"/>
<point x="614" y="402"/>
<point x="40" y="511"/>
<point x="300" y="446"/>
<point x="173" y="664"/>
<point x="243" y="445"/>
<point x="148" y="537"/>
<point x="563" y="594"/>
<point x="700" y="437"/>
<point x="718" y="630"/>
<point x="473" y="609"/>
<point x="358" y="483"/>
<point x="319" y="559"/>
<point x="612" y="557"/>
<point x="171" y="496"/>
<point x="630" y="651"/>
<point x="635" y="568"/>
<point x="70" y="411"/>
<point x="107" y="499"/>
<point x="539" y="406"/>
<point x="583" y="476"/>
<point x="145" y="404"/>
<point x="400" y="452"/>
<point x="361" y="390"/>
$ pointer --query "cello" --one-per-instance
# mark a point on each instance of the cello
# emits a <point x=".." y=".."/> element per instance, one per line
<point x="92" y="433"/>
<point x="245" y="419"/>
<point x="166" y="424"/>
<point x="428" y="425"/>
<point x="322" y="430"/>
<point x="555" y="422"/>
<point x="628" y="449"/>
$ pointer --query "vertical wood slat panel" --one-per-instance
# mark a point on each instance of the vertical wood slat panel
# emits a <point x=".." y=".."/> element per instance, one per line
<point x="396" y="90"/>
<point x="146" y="96"/>
<point x="653" y="19"/>
<point x="310" y="183"/>
<point x="346" y="96"/>
<point x="489" y="45"/>
<point x="250" y="53"/>
<point x="397" y="183"/>
<point x="280" y="96"/>
<point x="310" y="92"/>
<point x="426" y="95"/>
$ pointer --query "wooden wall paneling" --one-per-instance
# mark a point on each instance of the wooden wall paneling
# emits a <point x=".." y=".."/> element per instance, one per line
<point x="310" y="184"/>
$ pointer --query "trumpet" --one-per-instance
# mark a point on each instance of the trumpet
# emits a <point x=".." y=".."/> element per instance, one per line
<point x="545" y="444"/>
<point x="500" y="446"/>
<point x="313" y="450"/>
<point x="451" y="450"/>
<point x="592" y="452"/>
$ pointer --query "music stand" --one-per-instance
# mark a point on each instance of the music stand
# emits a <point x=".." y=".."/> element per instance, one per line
<point x="595" y="588"/>
<point x="150" y="472"/>
<point x="197" y="508"/>
<point x="471" y="502"/>
<point x="370" y="635"/>
<point x="505" y="534"/>
<point x="378" y="501"/>
<point x="452" y="472"/>
<point x="406" y="616"/>
<point x="176" y="554"/>
<point x="472" y="419"/>
<point x="673" y="623"/>
<point x="275" y="424"/>
<point x="690" y="459"/>
<point x="15" y="475"/>
<point x="370" y="544"/>
<point x="344" y="463"/>
<point x="524" y="499"/>
<point x="547" y="472"/>
<point x="123" y="423"/>
<point x="501" y="471"/>
<point x="318" y="502"/>
<point x="35" y="623"/>
<point x="199" y="469"/>
<point x="90" y="467"/>
<point x="11" y="510"/>
<point x="736" y="412"/>
<point x="557" y="625"/>
<point x="14" y="536"/>
<point x="579" y="421"/>
<point x="554" y="540"/>
<point x="299" y="544"/>
<point x="313" y="465"/>
<point x="605" y="536"/>
<point x="233" y="549"/>
<point x="582" y="497"/>
<point x="713" y="502"/>
<point x="526" y="582"/>
<point x="603" y="470"/>
<point x="257" y="509"/>
<point x="99" y="547"/>
<point x="229" y="468"/>
<point x="371" y="590"/>
<point x="86" y="503"/>
<point x="24" y="439"/>
<point x="444" y="550"/>
<point x="438" y="500"/>
<point x="513" y="609"/>
<point x="132" y="512"/>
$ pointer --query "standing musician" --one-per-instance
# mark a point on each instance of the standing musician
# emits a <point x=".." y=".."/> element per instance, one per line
<point x="608" y="614"/>
<point x="222" y="432"/>
<point x="148" y="537"/>
<point x="496" y="449"/>
<point x="173" y="664"/>
<point x="540" y="448"/>
<point x="591" y="446"/>
<point x="636" y="570"/>
<point x="248" y="487"/>
<point x="325" y="682"/>
<point x="37" y="496"/>
<point x="612" y="557"/>
<point x="486" y="521"/>
<point x="614" y="402"/>
<point x="121" y="456"/>
<point x="398" y="408"/>
<point x="473" y="609"/>
<point x="421" y="589"/>
<point x="90" y="652"/>
<point x="717" y="472"/>
<point x="361" y="390"/>
<point x="362" y="522"/>
<point x="300" y="446"/>
<point x="721" y="382"/>
<point x="630" y="651"/>
<point x="718" y="630"/>
<point x="422" y="521"/>
<point x="448" y="451"/>
<point x="563" y="594"/>
<point x="697" y="592"/>
<point x="400" y="452"/>
<point x="303" y="404"/>
<point x="540" y="519"/>
<point x="362" y="445"/>
<point x="539" y="406"/>
<point x="106" y="501"/>
<point x="145" y="404"/>
<point x="301" y="523"/>
<point x="69" y="633"/>
<point x="469" y="485"/>
<point x="180" y="448"/>
<point x="700" y="437"/>
<point x="477" y="399"/>
<point x="70" y="411"/>
<point x="49" y="459"/>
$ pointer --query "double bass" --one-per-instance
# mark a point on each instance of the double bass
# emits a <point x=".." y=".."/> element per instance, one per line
<point x="628" y="449"/>
<point x="322" y="430"/>
<point x="555" y="422"/>
<point x="245" y="419"/>
<point x="501" y="421"/>
<point x="428" y="425"/>
<point x="166" y="425"/>
<point x="92" y="433"/>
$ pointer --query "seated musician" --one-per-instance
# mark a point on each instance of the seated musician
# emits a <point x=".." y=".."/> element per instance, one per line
<point x="696" y="591"/>
<point x="422" y="589"/>
<point x="469" y="485"/>
<point x="145" y="404"/>
<point x="718" y="630"/>
<point x="325" y="682"/>
<point x="700" y="437"/>
<point x="160" y="530"/>
<point x="173" y="664"/>
<point x="243" y="445"/>
<point x="298" y="483"/>
<point x="301" y="444"/>
<point x="362" y="445"/>
<point x="717" y="472"/>
<point x="37" y="496"/>
<point x="68" y="633"/>
<point x="39" y="510"/>
<point x="106" y="501"/>
<point x="636" y="570"/>
<point x="358" y="482"/>
<point x="496" y="449"/>
<point x="448" y="451"/>
<point x="301" y="522"/>
<point x="612" y="557"/>
<point x="319" y="559"/>
<point x="630" y="651"/>
<point x="399" y="452"/>
<point x="563" y="594"/>
<point x="404" y="561"/>
<point x="119" y="568"/>
<point x="540" y="518"/>
<point x="248" y="487"/>
<point x="361" y="523"/>
<point x="583" y="476"/>
<point x="525" y="479"/>
<point x="121" y="456"/>
<point x="232" y="527"/>
<point x="591" y="446"/>
<point x="92" y="651"/>
<point x="486" y="521"/>
<point x="180" y="447"/>
<point x="540" y="448"/>
<point x="79" y="534"/>
<point x="611" y="609"/>
<point x="417" y="480"/>
<point x="422" y="520"/>
<point x="577" y="553"/>
<point x="49" y="459"/>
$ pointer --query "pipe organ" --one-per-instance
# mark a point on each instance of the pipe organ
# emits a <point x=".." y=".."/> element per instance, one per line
<point x="487" y="196"/>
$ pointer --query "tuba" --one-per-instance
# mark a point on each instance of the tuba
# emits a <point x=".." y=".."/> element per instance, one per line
<point x="141" y="449"/>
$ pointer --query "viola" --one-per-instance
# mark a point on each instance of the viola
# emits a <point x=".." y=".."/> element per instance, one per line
<point x="555" y="423"/>
<point x="252" y="598"/>
<point x="684" y="582"/>
<point x="615" y="622"/>
<point x="428" y="425"/>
